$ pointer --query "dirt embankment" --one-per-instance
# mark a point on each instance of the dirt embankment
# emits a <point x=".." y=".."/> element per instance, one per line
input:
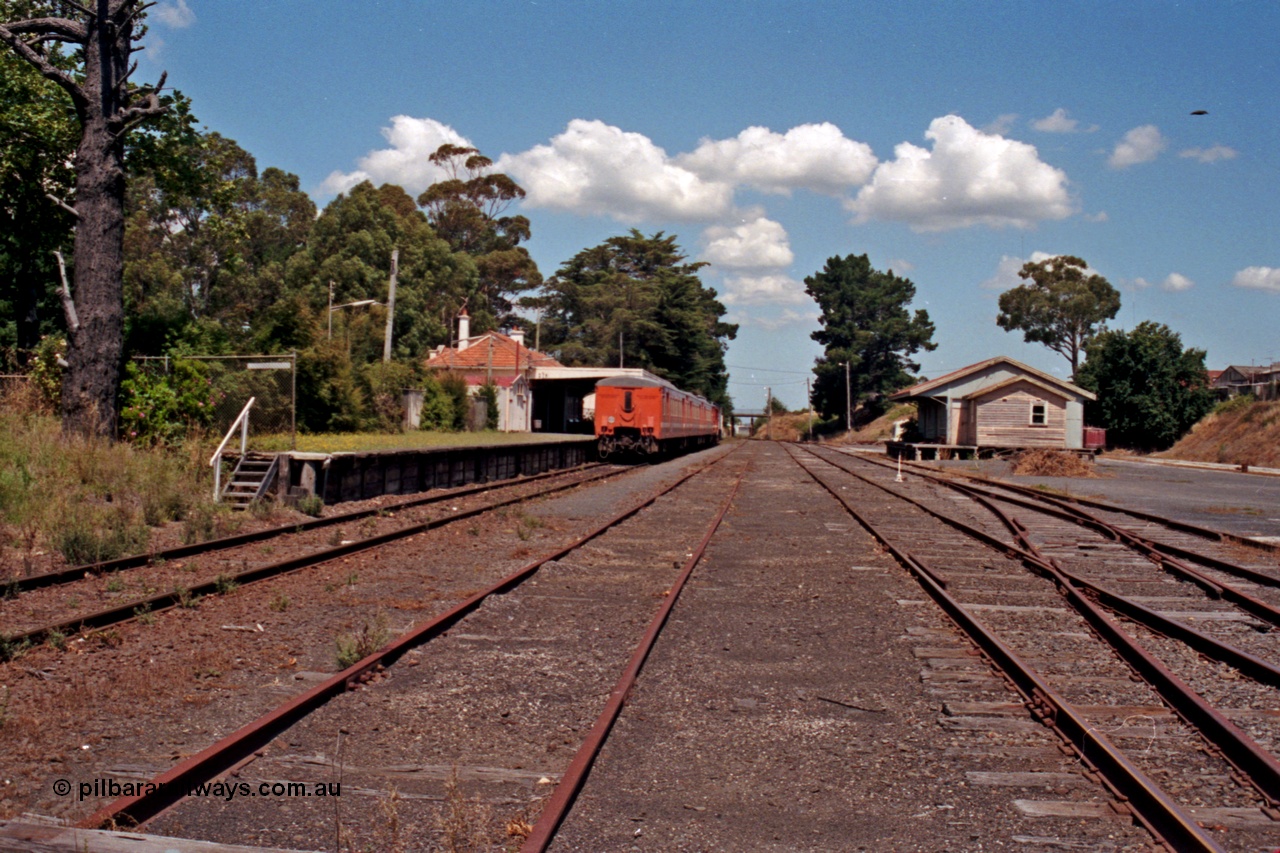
<point x="1238" y="432"/>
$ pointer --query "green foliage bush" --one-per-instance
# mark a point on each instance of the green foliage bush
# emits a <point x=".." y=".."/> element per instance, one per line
<point x="489" y="393"/>
<point x="164" y="409"/>
<point x="46" y="370"/>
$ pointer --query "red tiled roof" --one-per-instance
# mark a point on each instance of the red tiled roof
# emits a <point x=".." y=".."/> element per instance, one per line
<point x="491" y="351"/>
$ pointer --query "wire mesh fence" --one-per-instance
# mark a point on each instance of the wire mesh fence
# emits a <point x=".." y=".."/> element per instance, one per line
<point x="271" y="380"/>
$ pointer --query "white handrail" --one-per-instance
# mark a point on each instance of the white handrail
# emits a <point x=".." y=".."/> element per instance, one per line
<point x="242" y="421"/>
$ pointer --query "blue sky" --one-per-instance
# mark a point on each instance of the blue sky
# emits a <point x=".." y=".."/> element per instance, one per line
<point x="949" y="141"/>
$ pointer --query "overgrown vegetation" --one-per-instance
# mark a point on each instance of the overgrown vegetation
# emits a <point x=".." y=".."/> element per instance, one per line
<point x="86" y="498"/>
<point x="1241" y="431"/>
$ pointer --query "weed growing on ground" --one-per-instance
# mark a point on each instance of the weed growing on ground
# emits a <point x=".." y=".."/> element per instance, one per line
<point x="280" y="603"/>
<point x="312" y="505"/>
<point x="108" y="638"/>
<point x="371" y="637"/>
<point x="225" y="585"/>
<point x="335" y="538"/>
<point x="115" y="584"/>
<point x="144" y="615"/>
<point x="526" y="525"/>
<point x="10" y="650"/>
<point x="57" y="639"/>
<point x="185" y="598"/>
<point x="464" y="824"/>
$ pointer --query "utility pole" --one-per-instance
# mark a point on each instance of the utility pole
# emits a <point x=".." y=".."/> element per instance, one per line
<point x="330" y="309"/>
<point x="391" y="304"/>
<point x="808" y="397"/>
<point x="768" y="412"/>
<point x="620" y="364"/>
<point x="848" y="401"/>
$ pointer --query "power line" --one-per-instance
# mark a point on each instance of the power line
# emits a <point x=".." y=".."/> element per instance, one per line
<point x="769" y="369"/>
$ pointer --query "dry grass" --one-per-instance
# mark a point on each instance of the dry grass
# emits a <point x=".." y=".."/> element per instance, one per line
<point x="1237" y="432"/>
<point x="1052" y="463"/>
<point x="465" y="824"/>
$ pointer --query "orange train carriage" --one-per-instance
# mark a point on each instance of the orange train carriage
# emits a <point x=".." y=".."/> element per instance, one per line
<point x="642" y="415"/>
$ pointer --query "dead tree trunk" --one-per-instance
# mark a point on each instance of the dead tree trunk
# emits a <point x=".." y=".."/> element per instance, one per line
<point x="107" y="109"/>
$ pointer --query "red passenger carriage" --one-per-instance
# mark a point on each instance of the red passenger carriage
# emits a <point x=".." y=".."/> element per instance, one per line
<point x="647" y="415"/>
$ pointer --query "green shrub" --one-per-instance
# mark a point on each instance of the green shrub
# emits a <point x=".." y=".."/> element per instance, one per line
<point x="1235" y="404"/>
<point x="312" y="505"/>
<point x="163" y="409"/>
<point x="357" y="647"/>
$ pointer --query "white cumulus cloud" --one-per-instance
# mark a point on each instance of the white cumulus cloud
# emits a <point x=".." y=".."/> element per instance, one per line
<point x="755" y="244"/>
<point x="177" y="15"/>
<point x="1176" y="283"/>
<point x="815" y="157"/>
<point x="413" y="140"/>
<point x="597" y="169"/>
<point x="1057" y="122"/>
<point x="969" y="178"/>
<point x="1258" y="278"/>
<point x="763" y="289"/>
<point x="1212" y="154"/>
<point x="1140" y="145"/>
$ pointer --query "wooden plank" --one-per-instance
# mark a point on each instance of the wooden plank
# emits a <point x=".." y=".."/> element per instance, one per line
<point x="33" y="838"/>
<point x="1060" y="808"/>
<point x="1025" y="779"/>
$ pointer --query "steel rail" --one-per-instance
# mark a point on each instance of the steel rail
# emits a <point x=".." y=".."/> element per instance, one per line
<point x="1171" y="523"/>
<point x="132" y="561"/>
<point x="1237" y="747"/>
<point x="170" y="787"/>
<point x="1149" y="804"/>
<point x="1081" y="516"/>
<point x="575" y="776"/>
<point x="183" y="597"/>
<point x="1155" y="551"/>
<point x="1151" y="549"/>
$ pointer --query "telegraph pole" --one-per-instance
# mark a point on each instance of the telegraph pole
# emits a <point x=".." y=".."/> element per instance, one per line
<point x="391" y="304"/>
<point x="848" y="401"/>
<point x="768" y="412"/>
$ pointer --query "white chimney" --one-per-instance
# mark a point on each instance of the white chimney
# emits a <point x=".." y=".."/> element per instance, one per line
<point x="517" y="335"/>
<point x="464" y="329"/>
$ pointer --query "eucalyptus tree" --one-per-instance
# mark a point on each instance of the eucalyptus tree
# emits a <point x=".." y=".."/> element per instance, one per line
<point x="102" y="35"/>
<point x="467" y="210"/>
<point x="1061" y="305"/>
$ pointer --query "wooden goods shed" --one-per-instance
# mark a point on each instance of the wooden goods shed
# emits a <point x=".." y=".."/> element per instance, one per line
<point x="997" y="404"/>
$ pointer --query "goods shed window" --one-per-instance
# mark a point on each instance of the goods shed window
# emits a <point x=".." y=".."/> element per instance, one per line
<point x="1039" y="414"/>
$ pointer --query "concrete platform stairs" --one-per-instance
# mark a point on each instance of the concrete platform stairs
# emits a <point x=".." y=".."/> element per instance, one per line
<point x="253" y="477"/>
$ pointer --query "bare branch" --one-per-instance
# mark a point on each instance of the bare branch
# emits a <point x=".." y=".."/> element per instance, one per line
<point x="69" y="306"/>
<point x="64" y="28"/>
<point x="83" y="10"/>
<point x="62" y="204"/>
<point x="40" y="59"/>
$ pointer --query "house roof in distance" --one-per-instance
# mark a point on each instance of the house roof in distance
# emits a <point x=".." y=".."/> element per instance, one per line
<point x="490" y="351"/>
<point x="932" y="387"/>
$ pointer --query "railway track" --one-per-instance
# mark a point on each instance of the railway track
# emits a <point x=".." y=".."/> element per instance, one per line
<point x="51" y="606"/>
<point x="605" y="582"/>
<point x="1199" y="770"/>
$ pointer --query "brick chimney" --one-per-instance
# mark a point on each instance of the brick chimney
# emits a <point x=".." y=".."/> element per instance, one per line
<point x="464" y="329"/>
